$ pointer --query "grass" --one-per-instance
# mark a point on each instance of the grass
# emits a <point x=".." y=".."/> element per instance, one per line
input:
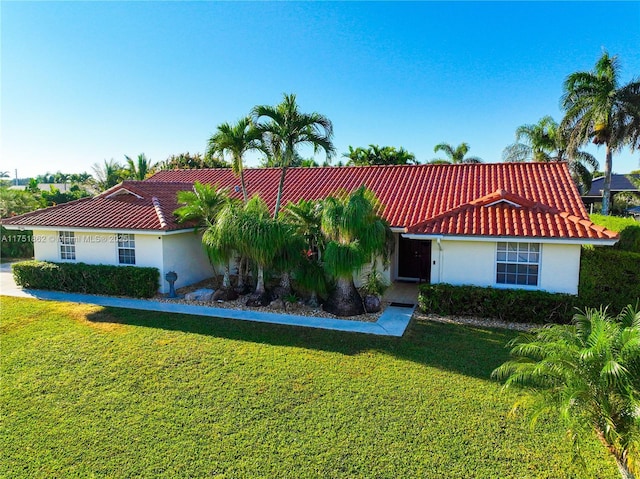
<point x="105" y="392"/>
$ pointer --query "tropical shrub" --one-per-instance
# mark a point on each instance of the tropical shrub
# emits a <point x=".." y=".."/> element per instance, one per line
<point x="132" y="281"/>
<point x="588" y="375"/>
<point x="16" y="244"/>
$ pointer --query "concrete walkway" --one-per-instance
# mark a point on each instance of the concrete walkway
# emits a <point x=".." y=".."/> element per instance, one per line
<point x="393" y="321"/>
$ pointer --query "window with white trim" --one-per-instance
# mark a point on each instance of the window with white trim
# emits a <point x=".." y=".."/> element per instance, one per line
<point x="67" y="240"/>
<point x="126" y="248"/>
<point x="518" y="263"/>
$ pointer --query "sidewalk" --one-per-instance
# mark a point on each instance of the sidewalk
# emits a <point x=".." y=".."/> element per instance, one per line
<point x="393" y="322"/>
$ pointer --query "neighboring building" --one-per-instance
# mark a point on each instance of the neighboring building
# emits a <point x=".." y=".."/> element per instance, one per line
<point x="619" y="184"/>
<point x="503" y="225"/>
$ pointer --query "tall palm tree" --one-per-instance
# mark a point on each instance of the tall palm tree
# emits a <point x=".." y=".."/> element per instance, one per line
<point x="355" y="235"/>
<point x="545" y="141"/>
<point x="589" y="374"/>
<point x="599" y="109"/>
<point x="455" y="155"/>
<point x="139" y="169"/>
<point x="284" y="128"/>
<point x="235" y="140"/>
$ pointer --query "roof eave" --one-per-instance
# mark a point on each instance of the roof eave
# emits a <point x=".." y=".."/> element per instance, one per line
<point x="529" y="239"/>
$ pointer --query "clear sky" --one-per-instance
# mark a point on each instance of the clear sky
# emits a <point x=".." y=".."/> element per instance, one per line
<point x="84" y="82"/>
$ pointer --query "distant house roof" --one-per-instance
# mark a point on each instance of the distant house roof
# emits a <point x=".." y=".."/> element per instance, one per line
<point x="619" y="183"/>
<point x="131" y="205"/>
<point x="500" y="199"/>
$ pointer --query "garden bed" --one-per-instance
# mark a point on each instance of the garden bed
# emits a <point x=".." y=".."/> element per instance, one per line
<point x="298" y="308"/>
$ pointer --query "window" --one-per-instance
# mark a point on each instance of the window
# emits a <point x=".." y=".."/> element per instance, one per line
<point x="518" y="263"/>
<point x="67" y="241"/>
<point x="126" y="249"/>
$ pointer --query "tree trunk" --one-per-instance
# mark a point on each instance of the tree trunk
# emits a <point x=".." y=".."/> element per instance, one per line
<point x="260" y="282"/>
<point x="226" y="280"/>
<point x="606" y="190"/>
<point x="344" y="300"/>
<point x="285" y="284"/>
<point x="625" y="473"/>
<point x="276" y="210"/>
<point x="243" y="186"/>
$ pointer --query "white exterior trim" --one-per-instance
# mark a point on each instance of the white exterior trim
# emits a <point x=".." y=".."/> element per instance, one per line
<point x="521" y="239"/>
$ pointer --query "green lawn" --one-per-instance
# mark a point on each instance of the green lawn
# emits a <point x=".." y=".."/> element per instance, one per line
<point x="100" y="392"/>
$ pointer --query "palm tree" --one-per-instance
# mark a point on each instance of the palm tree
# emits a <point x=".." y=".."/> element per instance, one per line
<point x="589" y="374"/>
<point x="355" y="235"/>
<point x="201" y="205"/>
<point x="107" y="175"/>
<point x="597" y="108"/>
<point x="235" y="140"/>
<point x="545" y="141"/>
<point x="221" y="239"/>
<point x="140" y="169"/>
<point x="375" y="155"/>
<point x="284" y="128"/>
<point x="261" y="238"/>
<point x="455" y="155"/>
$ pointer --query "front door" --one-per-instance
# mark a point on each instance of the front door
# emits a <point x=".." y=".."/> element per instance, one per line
<point x="414" y="259"/>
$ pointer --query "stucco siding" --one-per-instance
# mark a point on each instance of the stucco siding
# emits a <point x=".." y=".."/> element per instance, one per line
<point x="474" y="262"/>
<point x="466" y="262"/>
<point x="184" y="254"/>
<point x="560" y="269"/>
<point x="45" y="245"/>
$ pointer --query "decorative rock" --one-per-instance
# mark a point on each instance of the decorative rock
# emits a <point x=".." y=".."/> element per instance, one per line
<point x="371" y="303"/>
<point x="225" y="295"/>
<point x="277" y="304"/>
<point x="203" y="295"/>
<point x="259" y="299"/>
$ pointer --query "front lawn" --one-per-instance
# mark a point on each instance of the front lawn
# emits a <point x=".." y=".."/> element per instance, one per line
<point x="104" y="392"/>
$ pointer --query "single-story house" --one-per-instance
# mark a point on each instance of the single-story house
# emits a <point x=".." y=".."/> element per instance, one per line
<point x="516" y="225"/>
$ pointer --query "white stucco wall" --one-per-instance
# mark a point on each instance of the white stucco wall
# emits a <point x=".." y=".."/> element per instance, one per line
<point x="183" y="253"/>
<point x="45" y="245"/>
<point x="560" y="271"/>
<point x="474" y="262"/>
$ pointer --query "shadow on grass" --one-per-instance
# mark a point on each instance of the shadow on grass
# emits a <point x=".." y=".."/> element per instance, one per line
<point x="471" y="351"/>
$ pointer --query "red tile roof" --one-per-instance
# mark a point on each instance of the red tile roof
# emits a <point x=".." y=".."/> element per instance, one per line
<point x="430" y="199"/>
<point x="505" y="214"/>
<point x="132" y="205"/>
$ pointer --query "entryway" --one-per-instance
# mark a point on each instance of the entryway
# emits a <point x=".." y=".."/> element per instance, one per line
<point x="414" y="259"/>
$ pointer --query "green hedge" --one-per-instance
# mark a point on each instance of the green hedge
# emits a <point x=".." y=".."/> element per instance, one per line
<point x="608" y="277"/>
<point x="511" y="305"/>
<point x="628" y="228"/>
<point x="88" y="278"/>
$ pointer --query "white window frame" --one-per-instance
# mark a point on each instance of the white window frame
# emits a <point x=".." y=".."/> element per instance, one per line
<point x="516" y="263"/>
<point x="67" y="245"/>
<point x="126" y="248"/>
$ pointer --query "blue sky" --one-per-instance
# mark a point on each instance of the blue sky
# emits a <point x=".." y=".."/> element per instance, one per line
<point x="87" y="81"/>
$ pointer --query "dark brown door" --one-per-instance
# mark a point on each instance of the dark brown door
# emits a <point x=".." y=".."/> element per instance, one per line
<point x="414" y="259"/>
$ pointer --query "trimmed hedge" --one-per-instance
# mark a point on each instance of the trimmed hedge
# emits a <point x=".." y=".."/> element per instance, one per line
<point x="109" y="280"/>
<point x="608" y="277"/>
<point x="511" y="305"/>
